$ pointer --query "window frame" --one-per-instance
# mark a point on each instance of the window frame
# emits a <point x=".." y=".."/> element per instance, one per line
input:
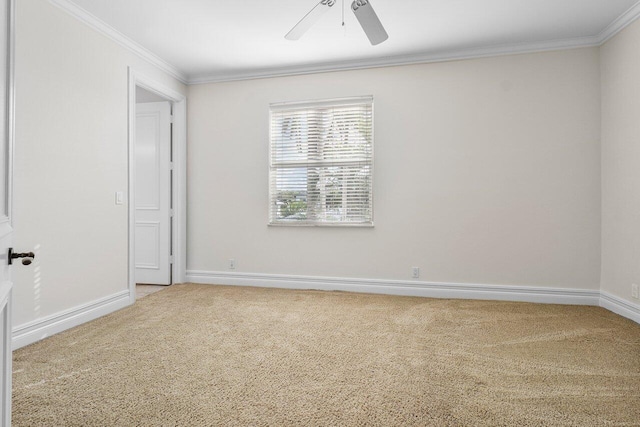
<point x="326" y="103"/>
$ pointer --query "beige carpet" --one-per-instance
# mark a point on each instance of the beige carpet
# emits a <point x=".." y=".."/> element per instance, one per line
<point x="197" y="355"/>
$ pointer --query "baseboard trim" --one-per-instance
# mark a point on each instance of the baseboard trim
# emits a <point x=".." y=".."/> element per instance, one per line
<point x="619" y="306"/>
<point x="424" y="289"/>
<point x="42" y="328"/>
<point x="399" y="287"/>
<point x="37" y="330"/>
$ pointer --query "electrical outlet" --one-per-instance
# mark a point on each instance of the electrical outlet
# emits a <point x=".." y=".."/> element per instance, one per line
<point x="415" y="272"/>
<point x="635" y="292"/>
<point x="232" y="264"/>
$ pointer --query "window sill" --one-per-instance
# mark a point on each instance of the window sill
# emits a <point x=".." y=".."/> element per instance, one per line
<point x="316" y="225"/>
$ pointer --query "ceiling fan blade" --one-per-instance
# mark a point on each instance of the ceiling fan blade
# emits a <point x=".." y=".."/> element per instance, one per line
<point x="309" y="19"/>
<point x="369" y="21"/>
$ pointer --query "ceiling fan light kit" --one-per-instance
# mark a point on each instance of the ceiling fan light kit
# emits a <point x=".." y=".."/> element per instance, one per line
<point x="363" y="11"/>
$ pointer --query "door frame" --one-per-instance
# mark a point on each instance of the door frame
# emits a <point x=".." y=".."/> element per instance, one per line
<point x="179" y="185"/>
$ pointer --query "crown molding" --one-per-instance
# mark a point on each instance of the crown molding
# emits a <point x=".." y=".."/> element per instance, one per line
<point x="628" y="17"/>
<point x="105" y="29"/>
<point x="424" y="58"/>
<point x="620" y="23"/>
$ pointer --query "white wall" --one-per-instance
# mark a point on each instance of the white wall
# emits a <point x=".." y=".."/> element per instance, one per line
<point x="70" y="159"/>
<point x="486" y="171"/>
<point x="621" y="163"/>
<point x="143" y="96"/>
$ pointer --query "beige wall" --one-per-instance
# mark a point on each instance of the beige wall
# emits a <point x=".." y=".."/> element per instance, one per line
<point x="621" y="162"/>
<point x="71" y="158"/>
<point x="486" y="171"/>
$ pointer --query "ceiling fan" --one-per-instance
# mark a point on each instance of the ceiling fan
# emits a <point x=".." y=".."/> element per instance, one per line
<point x="362" y="9"/>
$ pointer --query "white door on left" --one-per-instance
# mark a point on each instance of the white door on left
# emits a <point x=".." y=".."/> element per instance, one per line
<point x="153" y="193"/>
<point x="6" y="227"/>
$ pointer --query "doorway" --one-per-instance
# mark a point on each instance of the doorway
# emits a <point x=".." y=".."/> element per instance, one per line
<point x="157" y="183"/>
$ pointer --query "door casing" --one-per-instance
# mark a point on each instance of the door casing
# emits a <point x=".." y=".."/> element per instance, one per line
<point x="179" y="184"/>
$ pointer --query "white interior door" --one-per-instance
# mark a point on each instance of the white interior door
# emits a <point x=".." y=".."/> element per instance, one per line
<point x="5" y="331"/>
<point x="153" y="193"/>
<point x="6" y="228"/>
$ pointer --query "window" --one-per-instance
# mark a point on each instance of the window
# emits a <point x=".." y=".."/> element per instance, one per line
<point x="321" y="163"/>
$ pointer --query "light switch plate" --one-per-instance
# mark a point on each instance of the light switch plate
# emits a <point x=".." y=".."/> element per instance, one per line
<point x="119" y="198"/>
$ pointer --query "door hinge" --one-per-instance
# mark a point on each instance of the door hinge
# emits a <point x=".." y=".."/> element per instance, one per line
<point x="171" y="213"/>
<point x="171" y="118"/>
<point x="170" y="166"/>
<point x="171" y="259"/>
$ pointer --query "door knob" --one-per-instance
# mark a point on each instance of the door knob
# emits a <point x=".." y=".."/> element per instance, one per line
<point x="27" y="257"/>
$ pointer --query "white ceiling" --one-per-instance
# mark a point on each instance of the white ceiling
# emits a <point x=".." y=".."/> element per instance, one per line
<point x="227" y="39"/>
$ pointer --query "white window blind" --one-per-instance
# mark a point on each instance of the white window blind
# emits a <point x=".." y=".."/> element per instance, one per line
<point x="321" y="163"/>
